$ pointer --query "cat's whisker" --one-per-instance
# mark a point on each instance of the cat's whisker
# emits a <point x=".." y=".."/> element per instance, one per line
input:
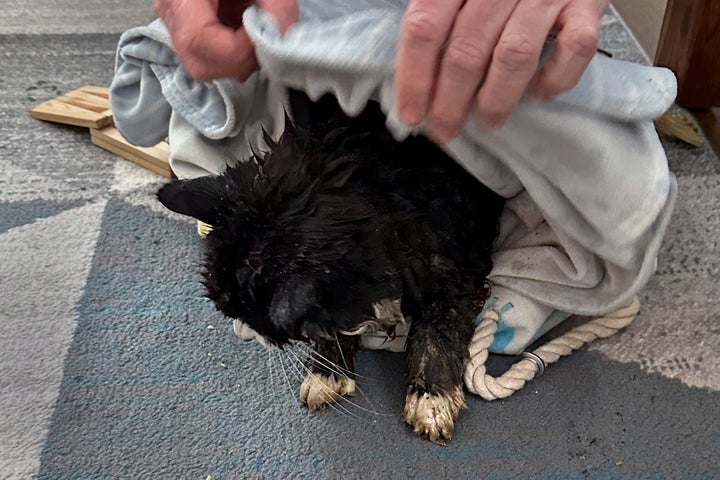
<point x="346" y="372"/>
<point x="334" y="405"/>
<point x="293" y="359"/>
<point x="287" y="378"/>
<point x="342" y="355"/>
<point x="357" y="386"/>
<point x="359" y="389"/>
<point x="330" y="366"/>
<point x="357" y="383"/>
<point x="271" y="367"/>
<point x="338" y="370"/>
<point x="333" y="394"/>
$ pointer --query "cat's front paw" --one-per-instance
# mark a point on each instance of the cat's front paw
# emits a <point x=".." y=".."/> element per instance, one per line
<point x="433" y="416"/>
<point x="318" y="390"/>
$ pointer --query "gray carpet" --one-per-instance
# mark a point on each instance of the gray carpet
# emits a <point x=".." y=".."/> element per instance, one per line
<point x="113" y="366"/>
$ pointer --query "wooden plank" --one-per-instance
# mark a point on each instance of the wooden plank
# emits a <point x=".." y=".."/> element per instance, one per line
<point x="102" y="92"/>
<point x="164" y="171"/>
<point x="158" y="155"/>
<point x="61" y="112"/>
<point x="689" y="46"/>
<point x="87" y="101"/>
<point x="87" y="106"/>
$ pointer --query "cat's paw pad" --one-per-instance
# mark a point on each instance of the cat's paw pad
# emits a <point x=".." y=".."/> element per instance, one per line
<point x="433" y="416"/>
<point x="318" y="390"/>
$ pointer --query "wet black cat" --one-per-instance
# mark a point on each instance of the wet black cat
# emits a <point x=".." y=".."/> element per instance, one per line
<point x="319" y="238"/>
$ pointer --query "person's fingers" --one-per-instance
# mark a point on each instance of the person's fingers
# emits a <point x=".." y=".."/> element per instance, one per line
<point x="217" y="51"/>
<point x="424" y="29"/>
<point x="165" y="9"/>
<point x="210" y="48"/>
<point x="286" y="12"/>
<point x="207" y="48"/>
<point x="515" y="60"/>
<point x="464" y="63"/>
<point x="577" y="40"/>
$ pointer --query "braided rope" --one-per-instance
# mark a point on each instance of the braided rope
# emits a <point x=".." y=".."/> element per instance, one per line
<point x="491" y="388"/>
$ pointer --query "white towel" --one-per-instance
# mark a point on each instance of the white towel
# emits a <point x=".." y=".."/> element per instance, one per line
<point x="588" y="186"/>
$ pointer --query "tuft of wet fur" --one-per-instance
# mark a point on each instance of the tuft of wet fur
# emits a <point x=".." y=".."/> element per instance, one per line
<point x="337" y="220"/>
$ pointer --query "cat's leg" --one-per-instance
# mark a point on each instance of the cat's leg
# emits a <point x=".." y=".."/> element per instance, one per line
<point x="330" y="368"/>
<point x="437" y="355"/>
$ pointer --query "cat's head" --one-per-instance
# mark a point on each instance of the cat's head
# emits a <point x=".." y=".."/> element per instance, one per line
<point x="278" y="227"/>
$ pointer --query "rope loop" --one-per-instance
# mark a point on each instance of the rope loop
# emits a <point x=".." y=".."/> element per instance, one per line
<point x="480" y="383"/>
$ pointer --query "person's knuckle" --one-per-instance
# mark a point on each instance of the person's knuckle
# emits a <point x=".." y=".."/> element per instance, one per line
<point x="194" y="42"/>
<point x="465" y="54"/>
<point x="516" y="52"/>
<point x="583" y="40"/>
<point x="494" y="111"/>
<point x="190" y="54"/>
<point x="420" y="25"/>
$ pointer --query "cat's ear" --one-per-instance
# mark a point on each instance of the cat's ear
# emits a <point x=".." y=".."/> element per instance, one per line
<point x="200" y="198"/>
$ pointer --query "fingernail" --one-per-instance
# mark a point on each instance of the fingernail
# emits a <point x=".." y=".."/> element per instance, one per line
<point x="441" y="134"/>
<point x="436" y="136"/>
<point x="411" y="115"/>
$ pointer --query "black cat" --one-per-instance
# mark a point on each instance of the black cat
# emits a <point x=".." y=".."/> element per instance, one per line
<point x="317" y="239"/>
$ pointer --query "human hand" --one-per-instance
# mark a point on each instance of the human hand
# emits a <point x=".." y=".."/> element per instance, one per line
<point x="208" y="36"/>
<point x="457" y="54"/>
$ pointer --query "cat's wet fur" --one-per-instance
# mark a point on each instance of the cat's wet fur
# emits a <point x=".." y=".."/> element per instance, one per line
<point x="335" y="218"/>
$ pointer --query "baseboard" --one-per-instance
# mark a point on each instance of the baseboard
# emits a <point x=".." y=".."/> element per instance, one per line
<point x="709" y="121"/>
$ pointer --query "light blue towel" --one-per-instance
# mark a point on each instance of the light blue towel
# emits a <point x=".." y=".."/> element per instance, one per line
<point x="590" y="193"/>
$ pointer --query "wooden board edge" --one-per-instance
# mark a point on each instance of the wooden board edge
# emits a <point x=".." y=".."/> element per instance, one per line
<point x="164" y="171"/>
<point x="71" y="115"/>
<point x="156" y="155"/>
<point x="103" y="92"/>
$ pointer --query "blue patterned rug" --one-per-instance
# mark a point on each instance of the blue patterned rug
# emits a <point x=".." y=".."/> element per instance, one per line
<point x="112" y="365"/>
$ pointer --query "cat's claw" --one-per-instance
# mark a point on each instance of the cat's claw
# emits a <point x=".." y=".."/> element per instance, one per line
<point x="433" y="416"/>
<point x="319" y="390"/>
